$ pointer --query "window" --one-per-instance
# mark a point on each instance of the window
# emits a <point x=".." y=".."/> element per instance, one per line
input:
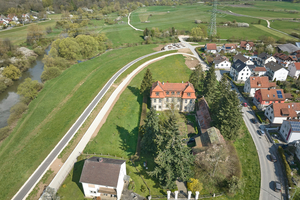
<point x="172" y="93"/>
<point x="185" y="107"/>
<point x="159" y="100"/>
<point x="167" y="100"/>
<point x="241" y="77"/>
<point x="242" y="74"/>
<point x="186" y="101"/>
<point x="167" y="92"/>
<point x="189" y="94"/>
<point x="167" y="106"/>
<point x="267" y="113"/>
<point x="247" y="74"/>
<point x="191" y="101"/>
<point x="93" y="192"/>
<point x="271" y="117"/>
<point x="178" y="93"/>
<point x="172" y="99"/>
<point x="222" y="65"/>
<point x="266" y="102"/>
<point x="159" y="106"/>
<point x="154" y="100"/>
<point x="157" y="93"/>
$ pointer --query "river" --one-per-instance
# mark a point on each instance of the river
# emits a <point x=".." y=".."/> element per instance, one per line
<point x="10" y="97"/>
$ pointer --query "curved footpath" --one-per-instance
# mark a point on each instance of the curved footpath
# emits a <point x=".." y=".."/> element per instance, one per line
<point x="131" y="25"/>
<point x="44" y="166"/>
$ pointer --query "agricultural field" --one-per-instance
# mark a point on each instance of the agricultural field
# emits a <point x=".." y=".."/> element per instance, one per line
<point x="18" y="34"/>
<point x="286" y="26"/>
<point x="274" y="33"/>
<point x="53" y="112"/>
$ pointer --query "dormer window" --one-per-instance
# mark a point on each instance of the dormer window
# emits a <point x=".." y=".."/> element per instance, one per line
<point x="172" y="93"/>
<point x="168" y="93"/>
<point x="157" y="93"/>
<point x="178" y="93"/>
<point x="189" y="94"/>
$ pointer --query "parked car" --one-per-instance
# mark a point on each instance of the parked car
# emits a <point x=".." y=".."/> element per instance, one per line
<point x="277" y="186"/>
<point x="245" y="104"/>
<point x="273" y="158"/>
<point x="253" y="120"/>
<point x="261" y="132"/>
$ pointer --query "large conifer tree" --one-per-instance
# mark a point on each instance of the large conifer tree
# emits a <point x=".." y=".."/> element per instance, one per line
<point x="197" y="78"/>
<point x="146" y="83"/>
<point x="151" y="131"/>
<point x="210" y="85"/>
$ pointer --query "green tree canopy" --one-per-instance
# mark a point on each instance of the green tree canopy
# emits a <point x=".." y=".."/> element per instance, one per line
<point x="34" y="33"/>
<point x="197" y="78"/>
<point x="29" y="89"/>
<point x="50" y="73"/>
<point x="210" y="85"/>
<point x="89" y="46"/>
<point x="146" y="82"/>
<point x="12" y="72"/>
<point x="69" y="49"/>
<point x="151" y="128"/>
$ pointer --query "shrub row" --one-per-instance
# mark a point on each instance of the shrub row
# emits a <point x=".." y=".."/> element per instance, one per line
<point x="286" y="166"/>
<point x="259" y="118"/>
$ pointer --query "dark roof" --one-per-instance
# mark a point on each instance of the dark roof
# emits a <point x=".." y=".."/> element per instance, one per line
<point x="101" y="171"/>
<point x="239" y="65"/>
<point x="251" y="66"/>
<point x="264" y="55"/>
<point x="240" y="57"/>
<point x="290" y="48"/>
<point x="273" y="66"/>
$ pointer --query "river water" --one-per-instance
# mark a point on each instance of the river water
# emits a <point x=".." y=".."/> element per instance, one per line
<point x="10" y="97"/>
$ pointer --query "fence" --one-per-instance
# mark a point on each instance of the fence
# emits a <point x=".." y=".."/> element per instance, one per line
<point x="204" y="196"/>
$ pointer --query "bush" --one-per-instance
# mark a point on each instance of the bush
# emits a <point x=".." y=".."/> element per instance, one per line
<point x="38" y="50"/>
<point x="48" y="29"/>
<point x="4" y="132"/>
<point x="50" y="73"/>
<point x="143" y="188"/>
<point x="23" y="64"/>
<point x="259" y="118"/>
<point x="11" y="72"/>
<point x="16" y="112"/>
<point x="2" y="87"/>
<point x="286" y="166"/>
<point x="131" y="185"/>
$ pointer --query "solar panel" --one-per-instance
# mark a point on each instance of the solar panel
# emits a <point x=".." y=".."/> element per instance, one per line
<point x="295" y="126"/>
<point x="279" y="94"/>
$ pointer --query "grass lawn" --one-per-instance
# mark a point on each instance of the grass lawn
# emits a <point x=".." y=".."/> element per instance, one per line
<point x="18" y="34"/>
<point x="53" y="112"/>
<point x="286" y="26"/>
<point x="275" y="33"/>
<point x="250" y="166"/>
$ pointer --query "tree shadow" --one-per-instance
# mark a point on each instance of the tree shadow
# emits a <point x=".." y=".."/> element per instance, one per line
<point x="77" y="173"/>
<point x="134" y="91"/>
<point x="128" y="139"/>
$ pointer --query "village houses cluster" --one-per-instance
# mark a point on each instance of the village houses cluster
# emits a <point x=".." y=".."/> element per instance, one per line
<point x="259" y="73"/>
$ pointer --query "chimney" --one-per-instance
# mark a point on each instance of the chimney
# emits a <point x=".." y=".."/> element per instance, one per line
<point x="268" y="95"/>
<point x="181" y="81"/>
<point x="289" y="106"/>
<point x="99" y="159"/>
<point x="163" y="82"/>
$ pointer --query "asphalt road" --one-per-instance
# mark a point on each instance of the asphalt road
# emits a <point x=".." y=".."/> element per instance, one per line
<point x="270" y="171"/>
<point x="41" y="170"/>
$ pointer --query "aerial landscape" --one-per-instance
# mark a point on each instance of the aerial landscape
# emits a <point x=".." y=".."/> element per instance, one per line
<point x="135" y="100"/>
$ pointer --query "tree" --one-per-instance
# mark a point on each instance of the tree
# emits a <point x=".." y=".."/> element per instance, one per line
<point x="50" y="73"/>
<point x="146" y="32"/>
<point x="89" y="46"/>
<point x="197" y="78"/>
<point x="29" y="89"/>
<point x="228" y="118"/>
<point x="151" y="128"/>
<point x="48" y="29"/>
<point x="34" y="33"/>
<point x="210" y="85"/>
<point x="194" y="185"/>
<point x="69" y="49"/>
<point x="235" y="185"/>
<point x="173" y="159"/>
<point x="12" y="72"/>
<point x="146" y="82"/>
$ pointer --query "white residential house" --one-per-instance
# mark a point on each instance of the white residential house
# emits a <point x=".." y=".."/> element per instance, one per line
<point x="254" y="83"/>
<point x="290" y="130"/>
<point x="243" y="58"/>
<point x="246" y="45"/>
<point x="103" y="177"/>
<point x="229" y="48"/>
<point x="210" y="48"/>
<point x="221" y="63"/>
<point x="294" y="70"/>
<point x="264" y="58"/>
<point x="276" y="71"/>
<point x="239" y="71"/>
<point x="278" y="112"/>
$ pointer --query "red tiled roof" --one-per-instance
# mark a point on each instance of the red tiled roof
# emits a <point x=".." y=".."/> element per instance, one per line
<point x="243" y="44"/>
<point x="271" y="95"/>
<point x="203" y="114"/>
<point x="172" y="90"/>
<point x="261" y="82"/>
<point x="232" y="46"/>
<point x="260" y="69"/>
<point x="282" y="56"/>
<point x="211" y="46"/>
<point x="297" y="65"/>
<point x="282" y="108"/>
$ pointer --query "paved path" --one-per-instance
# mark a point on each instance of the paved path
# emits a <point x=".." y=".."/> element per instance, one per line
<point x="270" y="171"/>
<point x="68" y="165"/>
<point x="131" y="25"/>
<point x="44" y="166"/>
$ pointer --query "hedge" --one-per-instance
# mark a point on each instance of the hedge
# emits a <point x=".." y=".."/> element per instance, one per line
<point x="259" y="118"/>
<point x="286" y="166"/>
